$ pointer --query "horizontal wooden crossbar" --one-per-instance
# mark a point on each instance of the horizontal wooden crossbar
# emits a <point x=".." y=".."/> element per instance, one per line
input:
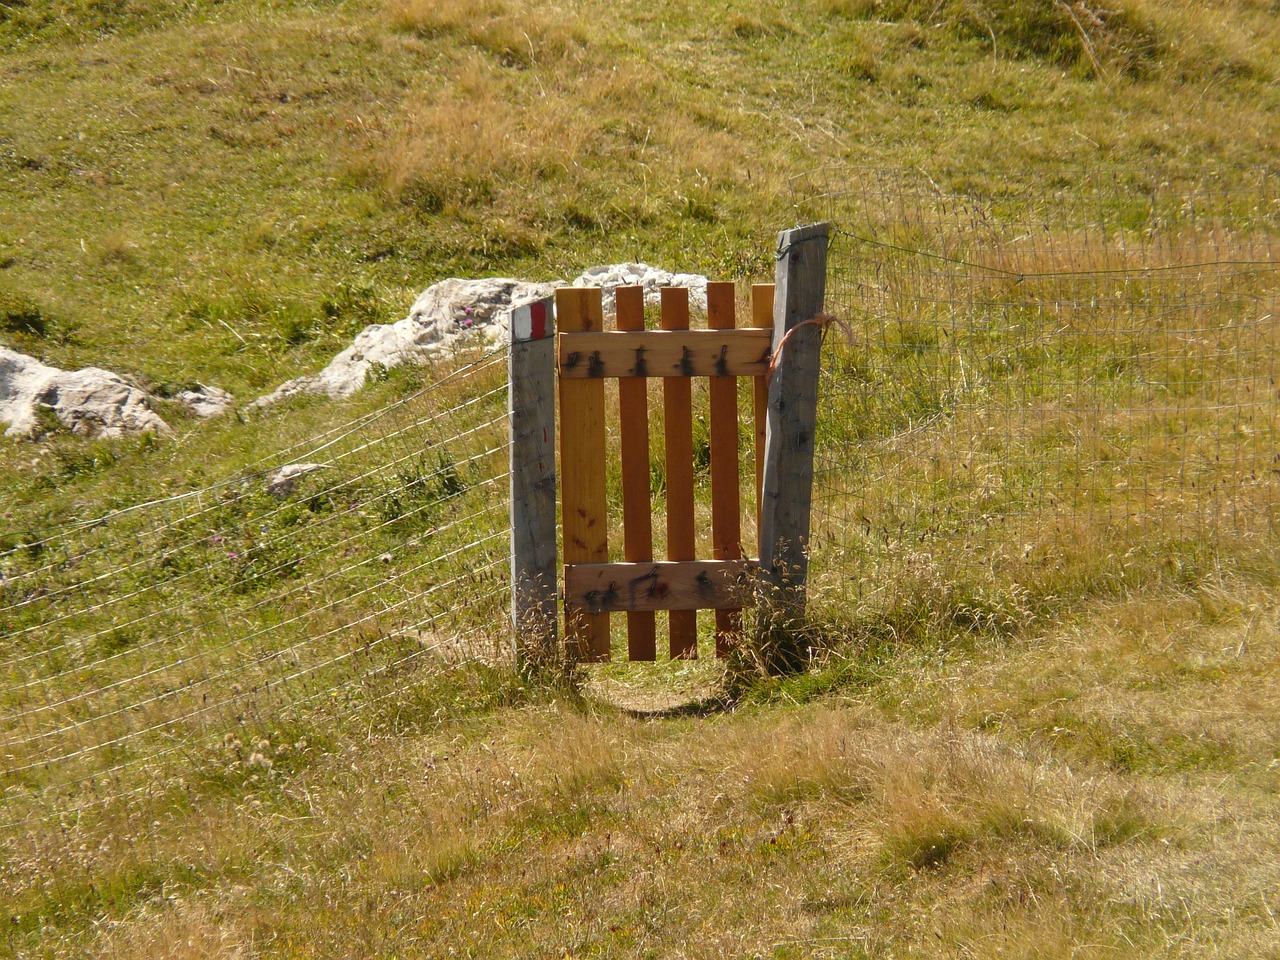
<point x="666" y="353"/>
<point x="662" y="585"/>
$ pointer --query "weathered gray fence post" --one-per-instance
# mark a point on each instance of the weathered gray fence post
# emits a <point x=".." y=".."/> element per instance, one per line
<point x="531" y="404"/>
<point x="799" y="292"/>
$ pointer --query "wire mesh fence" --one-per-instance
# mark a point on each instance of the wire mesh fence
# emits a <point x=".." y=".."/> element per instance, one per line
<point x="141" y="646"/>
<point x="1047" y="397"/>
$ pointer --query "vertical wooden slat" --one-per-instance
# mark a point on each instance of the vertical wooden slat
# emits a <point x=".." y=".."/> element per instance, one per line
<point x="531" y="402"/>
<point x="677" y="406"/>
<point x="726" y="518"/>
<point x="637" y="516"/>
<point x="761" y="317"/>
<point x="582" y="473"/>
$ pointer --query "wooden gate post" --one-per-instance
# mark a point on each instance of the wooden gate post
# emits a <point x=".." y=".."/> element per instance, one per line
<point x="531" y="403"/>
<point x="799" y="292"/>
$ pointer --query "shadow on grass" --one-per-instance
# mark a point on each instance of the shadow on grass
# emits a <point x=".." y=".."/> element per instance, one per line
<point x="699" y="708"/>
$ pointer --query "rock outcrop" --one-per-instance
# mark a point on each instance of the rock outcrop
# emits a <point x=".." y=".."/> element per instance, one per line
<point x="615" y="275"/>
<point x="443" y="315"/>
<point x="286" y="478"/>
<point x="206" y="401"/>
<point x="93" y="402"/>
<point x="88" y="402"/>
<point x="450" y="311"/>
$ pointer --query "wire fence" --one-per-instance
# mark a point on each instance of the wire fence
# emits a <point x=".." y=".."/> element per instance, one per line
<point x="155" y="642"/>
<point x="1048" y="398"/>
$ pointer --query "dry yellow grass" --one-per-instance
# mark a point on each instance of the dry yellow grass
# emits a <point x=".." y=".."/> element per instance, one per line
<point x="1048" y="725"/>
<point x="1102" y="789"/>
<point x="522" y="130"/>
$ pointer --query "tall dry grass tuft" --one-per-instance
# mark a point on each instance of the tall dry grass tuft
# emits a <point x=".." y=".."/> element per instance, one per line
<point x="118" y="247"/>
<point x="429" y="17"/>
<point x="1098" y="38"/>
<point x="921" y="797"/>
<point x="517" y="35"/>
<point x="179" y="929"/>
<point x="547" y="126"/>
<point x="470" y="146"/>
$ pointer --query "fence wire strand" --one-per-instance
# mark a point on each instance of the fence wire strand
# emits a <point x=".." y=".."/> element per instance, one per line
<point x="1047" y="397"/>
<point x="137" y="644"/>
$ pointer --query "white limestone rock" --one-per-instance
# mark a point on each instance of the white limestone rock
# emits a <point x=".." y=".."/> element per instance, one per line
<point x="88" y="402"/>
<point x="451" y="311"/>
<point x="615" y="275"/>
<point x="445" y="314"/>
<point x="286" y="478"/>
<point x="206" y="401"/>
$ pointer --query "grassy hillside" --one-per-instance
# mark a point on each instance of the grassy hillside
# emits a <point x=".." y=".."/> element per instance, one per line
<point x="226" y="191"/>
<point x="1040" y="710"/>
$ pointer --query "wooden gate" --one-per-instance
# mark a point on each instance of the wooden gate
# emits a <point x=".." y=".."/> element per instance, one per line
<point x="642" y="584"/>
<point x="778" y="349"/>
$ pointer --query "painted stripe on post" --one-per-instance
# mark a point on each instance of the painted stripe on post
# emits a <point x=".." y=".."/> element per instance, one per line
<point x="532" y="321"/>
